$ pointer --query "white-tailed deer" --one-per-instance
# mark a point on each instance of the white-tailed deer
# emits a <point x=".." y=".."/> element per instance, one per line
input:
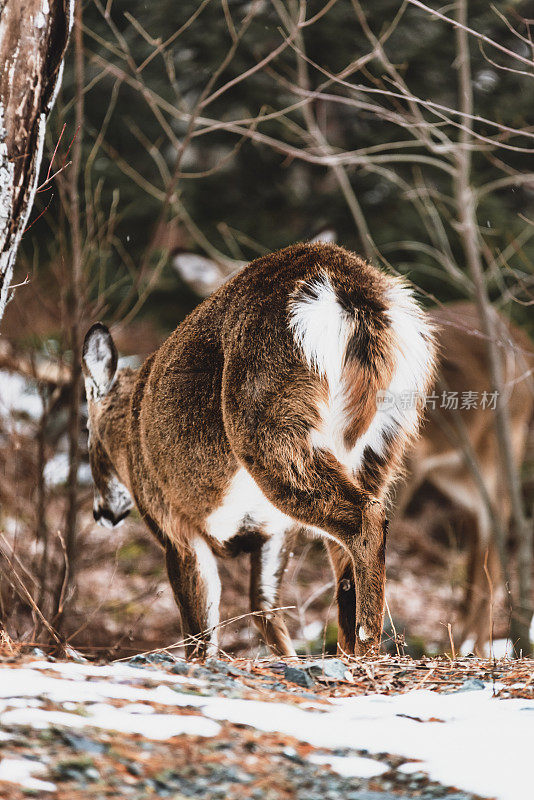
<point x="439" y="456"/>
<point x="259" y="415"/>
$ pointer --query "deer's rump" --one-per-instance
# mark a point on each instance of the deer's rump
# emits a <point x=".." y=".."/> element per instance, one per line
<point x="279" y="368"/>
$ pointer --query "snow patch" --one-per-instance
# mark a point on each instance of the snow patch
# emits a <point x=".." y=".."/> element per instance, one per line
<point x="312" y="630"/>
<point x="500" y="648"/>
<point x="21" y="771"/>
<point x="56" y="471"/>
<point x="18" y="397"/>
<point x="101" y="715"/>
<point x="118" y="670"/>
<point x="352" y="766"/>
<point x="138" y="708"/>
<point x="411" y="767"/>
<point x="30" y="683"/>
<point x="469" y="740"/>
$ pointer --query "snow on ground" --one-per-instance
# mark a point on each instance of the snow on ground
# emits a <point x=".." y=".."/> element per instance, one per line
<point x="30" y="683"/>
<point x="352" y="766"/>
<point x="119" y="671"/>
<point x="56" y="471"/>
<point x="107" y="717"/>
<point x="500" y="648"/>
<point x="467" y="739"/>
<point x="22" y="770"/>
<point x="18" y="398"/>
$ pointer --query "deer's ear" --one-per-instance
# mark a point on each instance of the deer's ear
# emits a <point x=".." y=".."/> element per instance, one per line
<point x="99" y="361"/>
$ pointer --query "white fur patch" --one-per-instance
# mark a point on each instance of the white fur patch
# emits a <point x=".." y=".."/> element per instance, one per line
<point x="413" y="360"/>
<point x="322" y="330"/>
<point x="117" y="498"/>
<point x="414" y="354"/>
<point x="244" y="500"/>
<point x="107" y="523"/>
<point x="207" y="567"/>
<point x="271" y="555"/>
<point x="98" y="358"/>
<point x="269" y="578"/>
<point x="362" y="635"/>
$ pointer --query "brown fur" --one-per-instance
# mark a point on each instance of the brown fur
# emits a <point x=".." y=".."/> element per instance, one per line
<point x="437" y="456"/>
<point x="230" y="389"/>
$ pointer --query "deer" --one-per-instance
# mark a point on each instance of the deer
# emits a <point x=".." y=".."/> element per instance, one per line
<point x="259" y="416"/>
<point x="452" y="439"/>
<point x="452" y="443"/>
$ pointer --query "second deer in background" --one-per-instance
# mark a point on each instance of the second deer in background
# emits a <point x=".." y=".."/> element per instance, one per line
<point x="457" y="449"/>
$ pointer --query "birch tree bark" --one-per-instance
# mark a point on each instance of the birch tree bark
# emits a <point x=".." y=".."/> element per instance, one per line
<point x="33" y="40"/>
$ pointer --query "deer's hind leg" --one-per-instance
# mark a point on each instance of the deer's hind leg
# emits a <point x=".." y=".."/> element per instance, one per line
<point x="325" y="500"/>
<point x="267" y="566"/>
<point x="194" y="578"/>
<point x="309" y="485"/>
<point x="343" y="570"/>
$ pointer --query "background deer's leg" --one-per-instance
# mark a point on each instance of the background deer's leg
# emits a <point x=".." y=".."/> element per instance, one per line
<point x="405" y="490"/>
<point x="495" y="577"/>
<point x="474" y="608"/>
<point x="481" y="612"/>
<point x="470" y="531"/>
<point x="460" y="487"/>
<point x="345" y="595"/>
<point x="476" y="605"/>
<point x="267" y="565"/>
<point x="195" y="583"/>
<point x="476" y="623"/>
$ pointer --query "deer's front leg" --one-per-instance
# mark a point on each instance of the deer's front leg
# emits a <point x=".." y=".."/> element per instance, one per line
<point x="194" y="578"/>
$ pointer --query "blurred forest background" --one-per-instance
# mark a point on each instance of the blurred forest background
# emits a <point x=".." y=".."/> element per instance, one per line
<point x="188" y="138"/>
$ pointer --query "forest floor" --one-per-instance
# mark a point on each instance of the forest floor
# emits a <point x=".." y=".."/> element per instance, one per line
<point x="123" y="602"/>
<point x="386" y="728"/>
<point x="314" y="728"/>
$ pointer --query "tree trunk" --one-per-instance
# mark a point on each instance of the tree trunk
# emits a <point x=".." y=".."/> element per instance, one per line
<point x="33" y="40"/>
<point x="468" y="231"/>
<point x="67" y="582"/>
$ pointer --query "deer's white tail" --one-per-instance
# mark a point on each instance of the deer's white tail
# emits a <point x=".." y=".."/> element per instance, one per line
<point x="376" y="363"/>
